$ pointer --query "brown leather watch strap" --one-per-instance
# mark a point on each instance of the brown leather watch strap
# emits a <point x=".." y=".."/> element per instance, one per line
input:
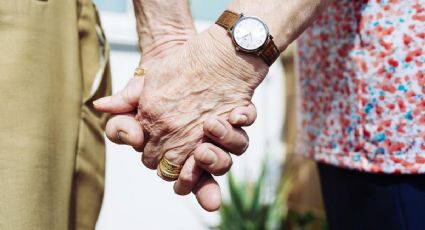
<point x="228" y="19"/>
<point x="269" y="53"/>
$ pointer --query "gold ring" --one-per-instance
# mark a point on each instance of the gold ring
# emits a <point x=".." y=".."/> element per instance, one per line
<point x="169" y="170"/>
<point x="139" y="72"/>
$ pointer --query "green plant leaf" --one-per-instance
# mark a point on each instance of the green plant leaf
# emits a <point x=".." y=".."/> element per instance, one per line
<point x="261" y="218"/>
<point x="229" y="220"/>
<point x="256" y="198"/>
<point x="246" y="211"/>
<point x="236" y="193"/>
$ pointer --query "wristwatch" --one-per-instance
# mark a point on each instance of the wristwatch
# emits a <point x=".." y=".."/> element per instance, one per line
<point x="249" y="34"/>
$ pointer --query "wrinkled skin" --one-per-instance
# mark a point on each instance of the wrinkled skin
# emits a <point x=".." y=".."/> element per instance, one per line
<point x="193" y="81"/>
<point x="210" y="157"/>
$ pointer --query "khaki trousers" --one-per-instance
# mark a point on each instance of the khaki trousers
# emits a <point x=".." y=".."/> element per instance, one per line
<point x="53" y="64"/>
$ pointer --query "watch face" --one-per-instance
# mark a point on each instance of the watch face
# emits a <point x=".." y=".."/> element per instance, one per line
<point x="250" y="33"/>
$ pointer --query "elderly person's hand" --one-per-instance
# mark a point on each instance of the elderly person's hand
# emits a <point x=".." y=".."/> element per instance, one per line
<point x="202" y="78"/>
<point x="207" y="159"/>
<point x="183" y="87"/>
<point x="199" y="79"/>
<point x="207" y="76"/>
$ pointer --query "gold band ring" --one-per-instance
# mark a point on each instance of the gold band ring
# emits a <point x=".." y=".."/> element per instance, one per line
<point x="139" y="72"/>
<point x="169" y="170"/>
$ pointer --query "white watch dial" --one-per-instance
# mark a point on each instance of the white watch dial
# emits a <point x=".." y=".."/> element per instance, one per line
<point x="250" y="33"/>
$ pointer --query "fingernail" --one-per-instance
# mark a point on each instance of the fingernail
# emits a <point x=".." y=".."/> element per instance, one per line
<point x="238" y="119"/>
<point x="209" y="157"/>
<point x="241" y="119"/>
<point x="102" y="100"/>
<point x="218" y="130"/>
<point x="122" y="136"/>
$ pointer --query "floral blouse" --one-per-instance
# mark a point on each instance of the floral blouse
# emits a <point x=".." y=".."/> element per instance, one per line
<point x="361" y="86"/>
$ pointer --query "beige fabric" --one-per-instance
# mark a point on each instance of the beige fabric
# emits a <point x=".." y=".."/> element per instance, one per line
<point x="51" y="141"/>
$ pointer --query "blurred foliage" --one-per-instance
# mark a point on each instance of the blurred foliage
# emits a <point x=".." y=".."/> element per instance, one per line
<point x="248" y="210"/>
<point x="304" y="221"/>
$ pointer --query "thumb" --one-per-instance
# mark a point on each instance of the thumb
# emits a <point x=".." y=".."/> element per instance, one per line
<point x="124" y="101"/>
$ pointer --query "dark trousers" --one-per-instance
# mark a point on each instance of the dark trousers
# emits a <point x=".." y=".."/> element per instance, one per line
<point x="357" y="200"/>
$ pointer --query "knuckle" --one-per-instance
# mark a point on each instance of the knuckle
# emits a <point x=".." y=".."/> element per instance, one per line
<point x="232" y="141"/>
<point x="208" y="125"/>
<point x="228" y="140"/>
<point x="224" y="166"/>
<point x="228" y="162"/>
<point x="199" y="152"/>
<point x="204" y="156"/>
<point x="185" y="177"/>
<point x="149" y="163"/>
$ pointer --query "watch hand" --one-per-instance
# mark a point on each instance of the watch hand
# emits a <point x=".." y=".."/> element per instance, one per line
<point x="247" y="37"/>
<point x="250" y="37"/>
<point x="241" y="37"/>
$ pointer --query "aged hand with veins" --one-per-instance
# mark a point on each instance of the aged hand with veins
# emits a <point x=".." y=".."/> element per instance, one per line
<point x="207" y="159"/>
<point x="201" y="77"/>
<point x="206" y="77"/>
<point x="183" y="89"/>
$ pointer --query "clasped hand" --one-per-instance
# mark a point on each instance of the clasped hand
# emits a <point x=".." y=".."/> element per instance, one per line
<point x="190" y="106"/>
